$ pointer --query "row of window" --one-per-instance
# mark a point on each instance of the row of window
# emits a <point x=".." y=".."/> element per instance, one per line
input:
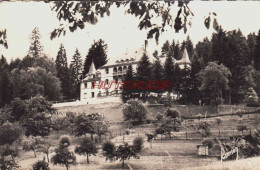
<point x="99" y="94"/>
<point x="120" y="69"/>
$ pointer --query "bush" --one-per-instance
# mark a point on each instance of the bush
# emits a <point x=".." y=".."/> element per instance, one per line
<point x="127" y="132"/>
<point x="41" y="165"/>
<point x="159" y="117"/>
<point x="207" y="142"/>
<point x="138" y="144"/>
<point x="172" y="113"/>
<point x="65" y="141"/>
<point x="135" y="111"/>
<point x="205" y="129"/>
<point x="251" y="98"/>
<point x="108" y="148"/>
<point x="215" y="150"/>
<point x="10" y="133"/>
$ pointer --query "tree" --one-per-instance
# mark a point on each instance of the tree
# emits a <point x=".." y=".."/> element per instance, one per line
<point x="97" y="54"/>
<point x="3" y="38"/>
<point x="138" y="144"/>
<point x="10" y="133"/>
<point x="63" y="72"/>
<point x="87" y="147"/>
<point x="204" y="52"/>
<point x="143" y="74"/>
<point x="35" y="49"/>
<point x="257" y="52"/>
<point x="41" y="165"/>
<point x="134" y="111"/>
<point x="32" y="145"/>
<point x="76" y="72"/>
<point x="251" y="98"/>
<point x="108" y="149"/>
<point x="18" y="109"/>
<point x="44" y="147"/>
<point x="34" y="81"/>
<point x="204" y="129"/>
<point x="172" y="113"/>
<point x="165" y="48"/>
<point x="63" y="156"/>
<point x="129" y="77"/>
<point x="124" y="152"/>
<point x="251" y="43"/>
<point x="83" y="125"/>
<point x="38" y="120"/>
<point x="7" y="151"/>
<point x="168" y="71"/>
<point x="58" y="124"/>
<point x="177" y="51"/>
<point x="142" y="9"/>
<point x="189" y="46"/>
<point x="5" y="90"/>
<point x="214" y="79"/>
<point x="157" y="74"/>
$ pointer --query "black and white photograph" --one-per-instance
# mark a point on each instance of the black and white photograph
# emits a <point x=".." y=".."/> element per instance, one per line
<point x="120" y="84"/>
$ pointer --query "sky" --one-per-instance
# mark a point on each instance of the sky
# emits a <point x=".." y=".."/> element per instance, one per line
<point x="119" y="30"/>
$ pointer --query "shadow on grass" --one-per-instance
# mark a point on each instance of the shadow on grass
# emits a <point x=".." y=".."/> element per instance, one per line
<point x="119" y="166"/>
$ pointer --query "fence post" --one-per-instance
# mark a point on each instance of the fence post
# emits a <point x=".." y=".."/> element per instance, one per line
<point x="219" y="133"/>
<point x="186" y="135"/>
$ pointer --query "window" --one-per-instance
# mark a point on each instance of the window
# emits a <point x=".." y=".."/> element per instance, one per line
<point x="107" y="70"/>
<point x="93" y="94"/>
<point x="86" y="85"/>
<point x="106" y="81"/>
<point x="85" y="96"/>
<point x="107" y="92"/>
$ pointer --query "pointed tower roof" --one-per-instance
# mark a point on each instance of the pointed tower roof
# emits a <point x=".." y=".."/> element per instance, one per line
<point x="185" y="58"/>
<point x="92" y="69"/>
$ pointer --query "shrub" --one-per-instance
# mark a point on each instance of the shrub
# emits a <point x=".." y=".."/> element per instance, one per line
<point x="108" y="148"/>
<point x="241" y="128"/>
<point x="207" y="142"/>
<point x="135" y="111"/>
<point x="159" y="117"/>
<point x="127" y="132"/>
<point x="64" y="141"/>
<point x="10" y="133"/>
<point x="251" y="98"/>
<point x="41" y="165"/>
<point x="204" y="129"/>
<point x="215" y="150"/>
<point x="172" y="113"/>
<point x="138" y="144"/>
<point x="219" y="121"/>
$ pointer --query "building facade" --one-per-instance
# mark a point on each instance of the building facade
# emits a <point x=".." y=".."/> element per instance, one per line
<point x="105" y="83"/>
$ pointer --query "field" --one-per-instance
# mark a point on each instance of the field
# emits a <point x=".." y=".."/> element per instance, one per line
<point x="178" y="153"/>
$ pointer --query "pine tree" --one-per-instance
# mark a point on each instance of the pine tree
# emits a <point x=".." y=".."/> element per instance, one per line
<point x="76" y="72"/>
<point x="129" y="77"/>
<point x="157" y="73"/>
<point x="165" y="48"/>
<point x="203" y="50"/>
<point x="143" y="73"/>
<point x="195" y="94"/>
<point x="63" y="72"/>
<point x="98" y="54"/>
<point x="169" y="72"/>
<point x="251" y="42"/>
<point x="5" y="86"/>
<point x="177" y="53"/>
<point x="257" y="52"/>
<point x="35" y="49"/>
<point x="189" y="46"/>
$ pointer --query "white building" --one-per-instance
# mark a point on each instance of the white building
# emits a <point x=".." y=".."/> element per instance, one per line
<point x="106" y="80"/>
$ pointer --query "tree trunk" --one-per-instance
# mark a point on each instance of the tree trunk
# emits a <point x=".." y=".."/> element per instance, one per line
<point x="48" y="157"/>
<point x="87" y="159"/>
<point x="67" y="167"/>
<point x="34" y="153"/>
<point x="57" y="134"/>
<point x="123" y="163"/>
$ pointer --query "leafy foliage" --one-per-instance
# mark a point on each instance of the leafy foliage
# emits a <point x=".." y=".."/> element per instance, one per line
<point x="10" y="133"/>
<point x="87" y="147"/>
<point x="204" y="129"/>
<point x="108" y="149"/>
<point x="41" y="165"/>
<point x="134" y="111"/>
<point x="63" y="156"/>
<point x="251" y="98"/>
<point x="97" y="54"/>
<point x="3" y="38"/>
<point x="138" y="144"/>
